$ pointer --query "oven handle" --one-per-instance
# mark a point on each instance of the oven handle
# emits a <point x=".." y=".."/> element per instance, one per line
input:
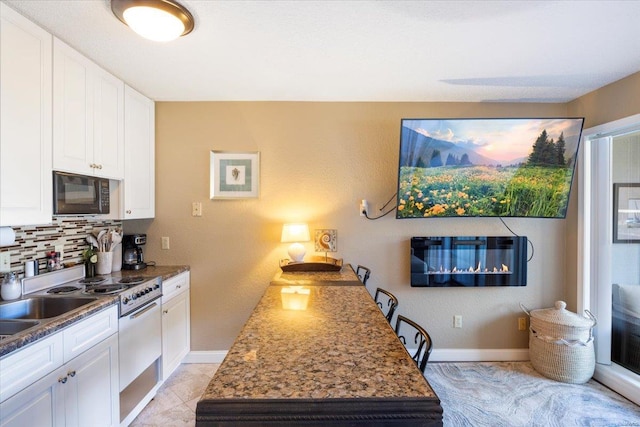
<point x="140" y="313"/>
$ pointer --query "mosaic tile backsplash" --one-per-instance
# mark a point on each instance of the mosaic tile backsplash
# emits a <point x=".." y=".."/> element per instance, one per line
<point x="34" y="241"/>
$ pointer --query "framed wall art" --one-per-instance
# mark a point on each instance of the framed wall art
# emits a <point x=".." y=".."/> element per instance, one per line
<point x="234" y="175"/>
<point x="326" y="240"/>
<point x="626" y="213"/>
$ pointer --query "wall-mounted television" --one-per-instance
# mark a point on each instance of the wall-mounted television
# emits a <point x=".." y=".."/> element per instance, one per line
<point x="506" y="167"/>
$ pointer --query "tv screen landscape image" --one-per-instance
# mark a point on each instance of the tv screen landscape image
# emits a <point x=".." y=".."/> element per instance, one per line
<point x="503" y="167"/>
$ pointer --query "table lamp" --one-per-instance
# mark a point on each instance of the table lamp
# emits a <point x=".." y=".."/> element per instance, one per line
<point x="295" y="233"/>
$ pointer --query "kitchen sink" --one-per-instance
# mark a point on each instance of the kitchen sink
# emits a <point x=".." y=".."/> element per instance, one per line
<point x="10" y="327"/>
<point x="41" y="307"/>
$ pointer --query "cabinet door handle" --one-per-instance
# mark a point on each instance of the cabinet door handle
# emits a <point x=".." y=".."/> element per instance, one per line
<point x="99" y="166"/>
<point x="71" y="373"/>
<point x="62" y="380"/>
<point x="165" y="311"/>
<point x="129" y="212"/>
<point x="178" y="286"/>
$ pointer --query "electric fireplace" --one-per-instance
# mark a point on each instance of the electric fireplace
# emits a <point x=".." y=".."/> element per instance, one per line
<point x="468" y="261"/>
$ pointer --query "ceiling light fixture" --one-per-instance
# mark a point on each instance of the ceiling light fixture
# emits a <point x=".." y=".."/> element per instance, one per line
<point x="157" y="20"/>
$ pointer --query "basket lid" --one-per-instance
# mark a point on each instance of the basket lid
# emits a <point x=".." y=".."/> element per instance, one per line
<point x="559" y="315"/>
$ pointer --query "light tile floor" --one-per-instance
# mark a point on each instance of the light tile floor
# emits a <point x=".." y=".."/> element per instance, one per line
<point x="175" y="402"/>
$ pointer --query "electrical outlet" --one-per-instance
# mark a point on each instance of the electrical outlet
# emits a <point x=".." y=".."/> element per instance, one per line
<point x="5" y="261"/>
<point x="522" y="323"/>
<point x="457" y="321"/>
<point x="364" y="207"/>
<point x="165" y="243"/>
<point x="196" y="209"/>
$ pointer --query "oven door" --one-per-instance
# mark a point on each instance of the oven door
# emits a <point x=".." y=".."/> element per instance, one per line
<point x="140" y="341"/>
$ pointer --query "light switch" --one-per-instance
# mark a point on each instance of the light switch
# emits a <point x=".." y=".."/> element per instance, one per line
<point x="457" y="321"/>
<point x="165" y="243"/>
<point x="196" y="209"/>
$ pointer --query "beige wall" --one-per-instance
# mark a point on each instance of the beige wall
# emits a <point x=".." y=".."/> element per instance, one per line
<point x="318" y="160"/>
<point x="612" y="102"/>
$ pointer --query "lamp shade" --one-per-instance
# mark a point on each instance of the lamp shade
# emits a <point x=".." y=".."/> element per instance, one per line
<point x="157" y="20"/>
<point x="295" y="233"/>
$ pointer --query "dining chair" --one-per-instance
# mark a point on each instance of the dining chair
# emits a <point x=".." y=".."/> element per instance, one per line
<point x="363" y="274"/>
<point x="421" y="338"/>
<point x="387" y="303"/>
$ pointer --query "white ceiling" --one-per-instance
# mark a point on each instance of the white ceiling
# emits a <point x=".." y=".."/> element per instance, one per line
<point x="515" y="51"/>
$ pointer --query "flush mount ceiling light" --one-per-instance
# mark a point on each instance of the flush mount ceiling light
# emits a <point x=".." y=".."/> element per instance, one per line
<point x="157" y="20"/>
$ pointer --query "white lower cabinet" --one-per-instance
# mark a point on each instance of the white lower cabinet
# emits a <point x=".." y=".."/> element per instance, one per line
<point x="84" y="391"/>
<point x="176" y="324"/>
<point x="91" y="391"/>
<point x="41" y="404"/>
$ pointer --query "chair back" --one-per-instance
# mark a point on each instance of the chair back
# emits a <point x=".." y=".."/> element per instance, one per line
<point x="363" y="274"/>
<point x="421" y="338"/>
<point x="387" y="303"/>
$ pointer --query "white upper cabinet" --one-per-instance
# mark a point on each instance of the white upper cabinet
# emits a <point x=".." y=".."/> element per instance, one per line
<point x="88" y="116"/>
<point x="139" y="179"/>
<point x="25" y="121"/>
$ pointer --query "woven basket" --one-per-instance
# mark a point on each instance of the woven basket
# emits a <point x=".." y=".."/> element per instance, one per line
<point x="561" y="343"/>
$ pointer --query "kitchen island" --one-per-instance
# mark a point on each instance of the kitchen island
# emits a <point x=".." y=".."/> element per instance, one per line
<point x="336" y="363"/>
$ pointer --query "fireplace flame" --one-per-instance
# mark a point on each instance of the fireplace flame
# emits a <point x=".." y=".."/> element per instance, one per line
<point x="477" y="270"/>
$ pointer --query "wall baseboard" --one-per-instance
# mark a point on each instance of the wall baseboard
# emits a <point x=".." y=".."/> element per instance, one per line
<point x="479" y="355"/>
<point x="438" y="355"/>
<point x="205" y="356"/>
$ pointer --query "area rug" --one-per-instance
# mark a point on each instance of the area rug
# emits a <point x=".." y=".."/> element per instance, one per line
<point x="513" y="394"/>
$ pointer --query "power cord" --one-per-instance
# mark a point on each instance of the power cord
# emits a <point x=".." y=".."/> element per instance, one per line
<point x="364" y="212"/>
<point x="528" y="241"/>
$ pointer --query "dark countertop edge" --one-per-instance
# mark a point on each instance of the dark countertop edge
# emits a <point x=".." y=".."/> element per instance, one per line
<point x="48" y="327"/>
<point x="282" y="282"/>
<point x="236" y="409"/>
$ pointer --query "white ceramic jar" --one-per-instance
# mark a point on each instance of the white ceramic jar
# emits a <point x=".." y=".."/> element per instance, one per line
<point x="10" y="288"/>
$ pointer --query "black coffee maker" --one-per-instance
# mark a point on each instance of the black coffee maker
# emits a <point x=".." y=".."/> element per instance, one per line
<point x="132" y="258"/>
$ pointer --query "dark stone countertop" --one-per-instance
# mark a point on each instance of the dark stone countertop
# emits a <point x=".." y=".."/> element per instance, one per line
<point x="50" y="326"/>
<point x="336" y="362"/>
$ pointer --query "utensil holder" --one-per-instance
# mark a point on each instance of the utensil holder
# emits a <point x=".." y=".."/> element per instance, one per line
<point x="105" y="262"/>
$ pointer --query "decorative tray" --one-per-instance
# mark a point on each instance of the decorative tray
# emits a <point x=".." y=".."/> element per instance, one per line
<point x="327" y="264"/>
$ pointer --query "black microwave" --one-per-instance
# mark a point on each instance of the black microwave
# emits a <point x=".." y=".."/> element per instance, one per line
<point x="79" y="194"/>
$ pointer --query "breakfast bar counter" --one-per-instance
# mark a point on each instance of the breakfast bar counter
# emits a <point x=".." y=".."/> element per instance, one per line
<point x="337" y="362"/>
